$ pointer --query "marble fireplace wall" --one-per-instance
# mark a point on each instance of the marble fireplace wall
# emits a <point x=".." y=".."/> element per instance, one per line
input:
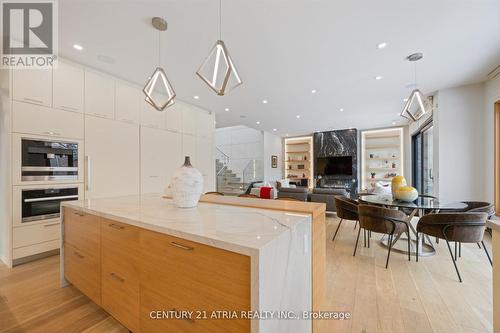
<point x="339" y="143"/>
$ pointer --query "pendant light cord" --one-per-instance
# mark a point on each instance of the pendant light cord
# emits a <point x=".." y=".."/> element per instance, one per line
<point x="159" y="49"/>
<point x="220" y="19"/>
<point x="415" y="70"/>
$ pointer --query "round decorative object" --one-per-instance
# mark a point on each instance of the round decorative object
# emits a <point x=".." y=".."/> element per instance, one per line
<point x="396" y="183"/>
<point x="186" y="185"/>
<point x="406" y="193"/>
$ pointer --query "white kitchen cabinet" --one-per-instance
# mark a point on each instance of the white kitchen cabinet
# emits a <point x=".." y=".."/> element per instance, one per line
<point x="204" y="124"/>
<point x="68" y="87"/>
<point x="189" y="148"/>
<point x="41" y="120"/>
<point x="151" y="117"/>
<point x="32" y="86"/>
<point x="161" y="155"/>
<point x="99" y="95"/>
<point x="205" y="163"/>
<point x="174" y="117"/>
<point x="127" y="102"/>
<point x="111" y="158"/>
<point x="189" y="120"/>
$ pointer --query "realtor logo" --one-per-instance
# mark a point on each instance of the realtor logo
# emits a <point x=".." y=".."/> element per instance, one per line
<point x="29" y="38"/>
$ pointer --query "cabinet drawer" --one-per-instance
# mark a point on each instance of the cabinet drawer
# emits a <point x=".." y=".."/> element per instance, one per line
<point x="34" y="234"/>
<point x="35" y="119"/>
<point x="82" y="231"/>
<point x="120" y="273"/>
<point x="203" y="276"/>
<point x="83" y="271"/>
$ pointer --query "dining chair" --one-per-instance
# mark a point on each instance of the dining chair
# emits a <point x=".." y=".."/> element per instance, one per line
<point x="383" y="220"/>
<point x="214" y="193"/>
<point x="347" y="209"/>
<point x="465" y="227"/>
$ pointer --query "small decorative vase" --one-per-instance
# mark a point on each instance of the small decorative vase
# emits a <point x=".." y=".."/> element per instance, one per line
<point x="406" y="193"/>
<point x="397" y="182"/>
<point x="187" y="185"/>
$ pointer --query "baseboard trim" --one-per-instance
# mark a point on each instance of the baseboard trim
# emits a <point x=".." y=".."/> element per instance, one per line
<point x="34" y="257"/>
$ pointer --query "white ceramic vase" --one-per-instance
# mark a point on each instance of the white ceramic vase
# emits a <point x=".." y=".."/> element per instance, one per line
<point x="186" y="185"/>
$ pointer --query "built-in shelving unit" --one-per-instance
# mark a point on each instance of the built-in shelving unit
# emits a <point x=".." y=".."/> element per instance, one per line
<point x="299" y="160"/>
<point x="382" y="156"/>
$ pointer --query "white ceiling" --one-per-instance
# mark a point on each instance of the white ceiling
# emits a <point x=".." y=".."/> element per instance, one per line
<point x="285" y="48"/>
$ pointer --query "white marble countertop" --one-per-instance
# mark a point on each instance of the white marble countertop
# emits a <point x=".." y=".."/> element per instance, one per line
<point x="237" y="229"/>
<point x="494" y="223"/>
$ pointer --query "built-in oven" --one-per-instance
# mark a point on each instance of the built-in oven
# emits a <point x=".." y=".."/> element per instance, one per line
<point x="39" y="204"/>
<point x="48" y="160"/>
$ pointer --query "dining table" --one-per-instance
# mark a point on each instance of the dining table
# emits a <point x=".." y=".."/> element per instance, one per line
<point x="423" y="205"/>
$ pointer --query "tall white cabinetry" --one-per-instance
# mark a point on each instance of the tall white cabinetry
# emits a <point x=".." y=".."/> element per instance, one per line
<point x="126" y="147"/>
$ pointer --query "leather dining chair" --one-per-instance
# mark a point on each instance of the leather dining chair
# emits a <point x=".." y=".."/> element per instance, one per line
<point x="465" y="227"/>
<point x="347" y="209"/>
<point x="383" y="220"/>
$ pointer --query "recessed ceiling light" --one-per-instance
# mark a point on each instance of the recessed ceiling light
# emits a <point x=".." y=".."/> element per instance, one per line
<point x="257" y="122"/>
<point x="341" y="110"/>
<point x="274" y="129"/>
<point x="378" y="77"/>
<point x="394" y="123"/>
<point x="297" y="116"/>
<point x="264" y="101"/>
<point x="77" y="47"/>
<point x="196" y="97"/>
<point x="226" y="109"/>
<point x="313" y="91"/>
<point x="381" y="45"/>
<point x="105" y="59"/>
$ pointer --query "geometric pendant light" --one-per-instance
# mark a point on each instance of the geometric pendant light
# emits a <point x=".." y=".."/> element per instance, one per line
<point x="158" y="90"/>
<point x="218" y="70"/>
<point x="416" y="104"/>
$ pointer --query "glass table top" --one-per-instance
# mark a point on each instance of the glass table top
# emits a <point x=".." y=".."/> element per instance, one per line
<point x="420" y="203"/>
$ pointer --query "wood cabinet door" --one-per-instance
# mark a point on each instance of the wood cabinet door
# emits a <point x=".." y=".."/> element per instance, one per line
<point x="32" y="86"/>
<point x="112" y="158"/>
<point x="127" y="102"/>
<point x="99" y="95"/>
<point x="68" y="87"/>
<point x="161" y="155"/>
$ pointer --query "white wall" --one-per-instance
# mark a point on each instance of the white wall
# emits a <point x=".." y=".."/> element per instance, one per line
<point x="460" y="123"/>
<point x="492" y="95"/>
<point x="272" y="146"/>
<point x="242" y="144"/>
<point x="5" y="180"/>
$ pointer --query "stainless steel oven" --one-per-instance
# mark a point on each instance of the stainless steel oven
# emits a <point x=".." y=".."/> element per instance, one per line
<point x="45" y="203"/>
<point x="43" y="160"/>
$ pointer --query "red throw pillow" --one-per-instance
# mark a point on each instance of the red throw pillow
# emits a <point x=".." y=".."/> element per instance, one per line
<point x="265" y="192"/>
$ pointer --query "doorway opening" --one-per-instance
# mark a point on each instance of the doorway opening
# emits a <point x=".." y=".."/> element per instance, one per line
<point x="423" y="158"/>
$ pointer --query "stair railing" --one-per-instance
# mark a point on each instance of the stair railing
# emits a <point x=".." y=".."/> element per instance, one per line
<point x="223" y="158"/>
<point x="253" y="171"/>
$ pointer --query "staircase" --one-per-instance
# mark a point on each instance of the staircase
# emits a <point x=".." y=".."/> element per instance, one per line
<point x="227" y="181"/>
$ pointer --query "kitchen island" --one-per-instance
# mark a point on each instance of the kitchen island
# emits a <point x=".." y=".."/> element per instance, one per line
<point x="213" y="268"/>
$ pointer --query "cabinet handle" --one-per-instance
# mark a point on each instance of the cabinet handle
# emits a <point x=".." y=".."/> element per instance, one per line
<point x="89" y="173"/>
<point x="116" y="226"/>
<point x="116" y="276"/>
<point x="68" y="108"/>
<point x="52" y="133"/>
<point x="79" y="213"/>
<point x="33" y="100"/>
<point x="78" y="255"/>
<point x="180" y="246"/>
<point x="189" y="320"/>
<point x="50" y="224"/>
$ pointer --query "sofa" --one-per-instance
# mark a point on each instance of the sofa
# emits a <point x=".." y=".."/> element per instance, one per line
<point x="327" y="196"/>
<point x="299" y="193"/>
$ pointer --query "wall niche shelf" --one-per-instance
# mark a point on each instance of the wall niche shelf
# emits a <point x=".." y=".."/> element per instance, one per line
<point x="298" y="151"/>
<point x="382" y="156"/>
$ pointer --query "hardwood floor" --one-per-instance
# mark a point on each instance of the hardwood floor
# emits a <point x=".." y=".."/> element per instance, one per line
<point x="407" y="297"/>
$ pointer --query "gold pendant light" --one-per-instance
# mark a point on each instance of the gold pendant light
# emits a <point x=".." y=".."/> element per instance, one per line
<point x="416" y="104"/>
<point x="218" y="70"/>
<point x="158" y="90"/>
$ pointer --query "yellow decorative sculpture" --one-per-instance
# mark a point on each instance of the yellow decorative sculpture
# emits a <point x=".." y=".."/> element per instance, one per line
<point x="406" y="193"/>
<point x="397" y="182"/>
